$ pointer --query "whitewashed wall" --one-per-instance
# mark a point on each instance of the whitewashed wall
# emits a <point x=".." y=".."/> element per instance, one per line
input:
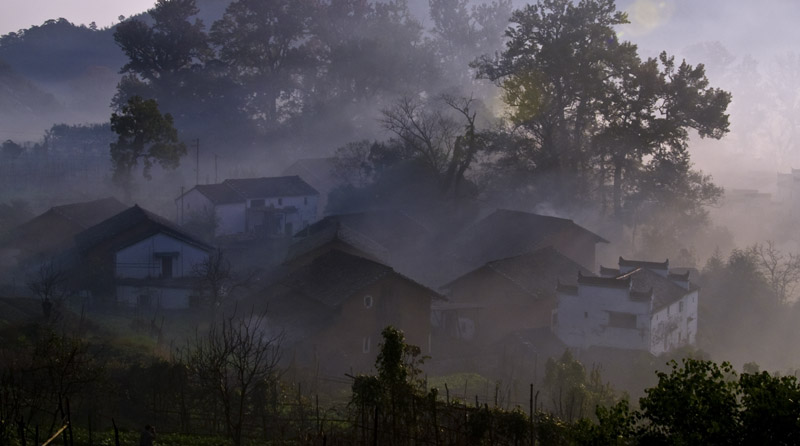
<point x="192" y="202"/>
<point x="138" y="261"/>
<point x="230" y="218"/>
<point x="583" y="320"/>
<point x="673" y="327"/>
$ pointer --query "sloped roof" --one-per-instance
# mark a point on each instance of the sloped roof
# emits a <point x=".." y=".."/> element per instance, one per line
<point x="335" y="276"/>
<point x="55" y="229"/>
<point x="644" y="264"/>
<point x="90" y="213"/>
<point x="241" y="189"/>
<point x="328" y="231"/>
<point x="664" y="291"/>
<point x="536" y="273"/>
<point x="644" y="284"/>
<point x="130" y="226"/>
<point x="392" y="229"/>
<point x="220" y="193"/>
<point x="267" y="187"/>
<point x="506" y="233"/>
<point x="318" y="172"/>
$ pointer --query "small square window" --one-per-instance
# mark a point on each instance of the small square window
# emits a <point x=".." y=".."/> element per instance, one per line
<point x="366" y="344"/>
<point x="280" y="201"/>
<point x="368" y="301"/>
<point x="586" y="315"/>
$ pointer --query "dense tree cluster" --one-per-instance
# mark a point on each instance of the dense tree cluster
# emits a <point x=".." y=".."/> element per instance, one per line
<point x="274" y="69"/>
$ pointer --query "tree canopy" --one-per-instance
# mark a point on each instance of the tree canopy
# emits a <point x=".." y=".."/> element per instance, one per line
<point x="146" y="136"/>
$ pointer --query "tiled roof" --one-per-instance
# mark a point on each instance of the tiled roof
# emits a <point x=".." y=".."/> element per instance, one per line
<point x="239" y="190"/>
<point x="506" y="233"/>
<point x="54" y="230"/>
<point x="335" y="276"/>
<point x="130" y="226"/>
<point x="320" y="172"/>
<point x="644" y="284"/>
<point x="664" y="291"/>
<point x="328" y="231"/>
<point x="537" y="272"/>
<point x="268" y="187"/>
<point x="642" y="264"/>
<point x="91" y="212"/>
<point x="608" y="282"/>
<point x="392" y="229"/>
<point x="609" y="272"/>
<point x="220" y="193"/>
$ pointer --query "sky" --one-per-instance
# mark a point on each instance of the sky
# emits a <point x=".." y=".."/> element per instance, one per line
<point x="21" y="14"/>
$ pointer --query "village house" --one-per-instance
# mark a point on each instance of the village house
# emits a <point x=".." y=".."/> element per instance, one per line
<point x="333" y="309"/>
<point x="504" y="295"/>
<point x="270" y="206"/>
<point x="43" y="237"/>
<point x="389" y="236"/>
<point x="638" y="306"/>
<point x="139" y="259"/>
<point x="320" y="173"/>
<point x="507" y="233"/>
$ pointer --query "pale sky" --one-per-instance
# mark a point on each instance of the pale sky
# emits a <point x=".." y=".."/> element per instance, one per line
<point x="22" y="14"/>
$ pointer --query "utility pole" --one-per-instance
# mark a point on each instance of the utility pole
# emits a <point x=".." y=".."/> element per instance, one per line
<point x="197" y="162"/>
<point x="216" y="178"/>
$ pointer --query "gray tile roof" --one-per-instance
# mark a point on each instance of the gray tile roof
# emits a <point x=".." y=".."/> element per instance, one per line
<point x="239" y="190"/>
<point x="270" y="187"/>
<point x="130" y="226"/>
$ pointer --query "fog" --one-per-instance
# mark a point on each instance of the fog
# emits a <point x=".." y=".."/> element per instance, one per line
<point x="415" y="145"/>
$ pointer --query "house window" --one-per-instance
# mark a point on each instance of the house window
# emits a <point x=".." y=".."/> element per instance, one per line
<point x="280" y="201"/>
<point x="667" y="310"/>
<point x="305" y="200"/>
<point x="365" y="344"/>
<point x="256" y="203"/>
<point x="680" y="307"/>
<point x="621" y="320"/>
<point x="586" y="315"/>
<point x="367" y="301"/>
<point x="166" y="267"/>
<point x="166" y="262"/>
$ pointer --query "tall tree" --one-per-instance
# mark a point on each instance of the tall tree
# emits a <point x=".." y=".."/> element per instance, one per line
<point x="265" y="48"/>
<point x="592" y="112"/>
<point x="146" y="136"/>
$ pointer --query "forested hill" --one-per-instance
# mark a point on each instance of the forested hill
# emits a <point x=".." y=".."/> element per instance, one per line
<point x="57" y="72"/>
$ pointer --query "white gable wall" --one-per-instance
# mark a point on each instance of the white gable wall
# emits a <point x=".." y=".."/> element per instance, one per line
<point x="230" y="218"/>
<point x="586" y="319"/>
<point x="141" y="260"/>
<point x="192" y="203"/>
<point x="675" y="325"/>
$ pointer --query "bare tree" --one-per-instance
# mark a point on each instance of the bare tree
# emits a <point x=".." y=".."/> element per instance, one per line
<point x="216" y="277"/>
<point x="782" y="271"/>
<point x="441" y="133"/>
<point x="235" y="360"/>
<point x="49" y="283"/>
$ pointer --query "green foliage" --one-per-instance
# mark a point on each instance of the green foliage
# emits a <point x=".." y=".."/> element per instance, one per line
<point x="693" y="404"/>
<point x="573" y="393"/>
<point x="146" y="136"/>
<point x="770" y="408"/>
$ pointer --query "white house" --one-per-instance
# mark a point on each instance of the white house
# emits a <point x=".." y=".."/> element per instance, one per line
<point x="141" y="259"/>
<point x="640" y="306"/>
<point x="271" y="206"/>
